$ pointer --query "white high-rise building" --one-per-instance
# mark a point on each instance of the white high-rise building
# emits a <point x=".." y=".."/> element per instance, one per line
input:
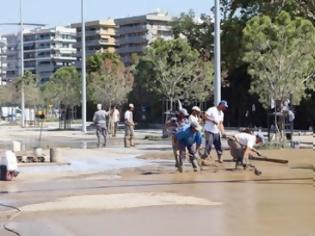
<point x="13" y="63"/>
<point x="136" y="33"/>
<point x="45" y="51"/>
<point x="3" y="60"/>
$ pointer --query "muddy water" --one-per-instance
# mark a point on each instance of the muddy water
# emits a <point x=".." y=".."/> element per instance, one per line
<point x="280" y="202"/>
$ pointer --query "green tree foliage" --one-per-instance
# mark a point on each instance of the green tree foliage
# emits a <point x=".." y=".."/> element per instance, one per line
<point x="64" y="88"/>
<point x="94" y="62"/>
<point x="173" y="70"/>
<point x="7" y="94"/>
<point x="32" y="92"/>
<point x="111" y="82"/>
<point x="281" y="57"/>
<point x="197" y="30"/>
<point x="251" y="8"/>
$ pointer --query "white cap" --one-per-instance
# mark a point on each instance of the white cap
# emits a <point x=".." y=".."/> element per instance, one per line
<point x="99" y="106"/>
<point x="196" y="108"/>
<point x="131" y="105"/>
<point x="196" y="125"/>
<point x="184" y="112"/>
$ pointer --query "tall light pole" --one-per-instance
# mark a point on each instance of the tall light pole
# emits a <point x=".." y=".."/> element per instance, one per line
<point x="217" y="54"/>
<point x="22" y="68"/>
<point x="83" y="69"/>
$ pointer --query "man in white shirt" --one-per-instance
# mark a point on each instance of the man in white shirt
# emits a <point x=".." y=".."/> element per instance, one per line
<point x="99" y="120"/>
<point x="214" y="128"/>
<point x="195" y="115"/>
<point x="115" y="117"/>
<point x="242" y="146"/>
<point x="129" y="127"/>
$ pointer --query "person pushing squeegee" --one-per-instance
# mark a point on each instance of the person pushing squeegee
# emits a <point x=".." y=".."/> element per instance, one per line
<point x="242" y="146"/>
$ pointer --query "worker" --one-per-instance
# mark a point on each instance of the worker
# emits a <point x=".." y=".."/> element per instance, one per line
<point x="114" y="119"/>
<point x="214" y="128"/>
<point x="195" y="114"/>
<point x="242" y="147"/>
<point x="99" y="120"/>
<point x="172" y="126"/>
<point x="129" y="127"/>
<point x="189" y="137"/>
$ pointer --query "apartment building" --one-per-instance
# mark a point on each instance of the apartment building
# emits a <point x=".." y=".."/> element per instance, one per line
<point x="45" y="51"/>
<point x="3" y="60"/>
<point x="48" y="49"/>
<point x="135" y="33"/>
<point x="100" y="36"/>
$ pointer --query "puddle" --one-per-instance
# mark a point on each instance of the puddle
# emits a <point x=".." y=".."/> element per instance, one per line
<point x="89" y="164"/>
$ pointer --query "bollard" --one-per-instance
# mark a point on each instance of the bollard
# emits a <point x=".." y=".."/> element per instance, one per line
<point x="54" y="154"/>
<point x="38" y="152"/>
<point x="16" y="146"/>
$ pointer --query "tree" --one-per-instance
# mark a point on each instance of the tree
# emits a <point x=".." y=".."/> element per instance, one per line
<point x="64" y="88"/>
<point x="303" y="8"/>
<point x="32" y="92"/>
<point x="197" y="30"/>
<point x="280" y="54"/>
<point x="173" y="70"/>
<point x="7" y="93"/>
<point x="94" y="62"/>
<point x="110" y="82"/>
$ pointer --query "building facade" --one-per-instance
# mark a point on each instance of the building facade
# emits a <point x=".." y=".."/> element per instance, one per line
<point x="3" y="60"/>
<point x="134" y="34"/>
<point x="100" y="36"/>
<point x="48" y="49"/>
<point x="13" y="55"/>
<point x="45" y="51"/>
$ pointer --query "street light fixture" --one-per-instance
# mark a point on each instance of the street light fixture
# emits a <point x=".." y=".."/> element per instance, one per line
<point x="217" y="54"/>
<point x="83" y="69"/>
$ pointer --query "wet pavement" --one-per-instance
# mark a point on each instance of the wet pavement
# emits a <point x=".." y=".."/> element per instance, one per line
<point x="116" y="191"/>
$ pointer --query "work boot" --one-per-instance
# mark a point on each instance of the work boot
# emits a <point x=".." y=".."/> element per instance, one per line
<point x="180" y="165"/>
<point x="132" y="144"/>
<point x="126" y="143"/>
<point x="176" y="162"/>
<point x="220" y="159"/>
<point x="194" y="164"/>
<point x="199" y="162"/>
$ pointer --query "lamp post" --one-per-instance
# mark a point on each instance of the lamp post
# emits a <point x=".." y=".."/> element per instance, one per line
<point x="217" y="54"/>
<point x="83" y="69"/>
<point x="22" y="68"/>
<point x="21" y="24"/>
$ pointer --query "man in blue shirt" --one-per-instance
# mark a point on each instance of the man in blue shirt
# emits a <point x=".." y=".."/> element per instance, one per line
<point x="189" y="137"/>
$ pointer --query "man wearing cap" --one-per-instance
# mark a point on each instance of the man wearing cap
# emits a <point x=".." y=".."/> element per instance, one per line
<point x="242" y="146"/>
<point x="173" y="125"/>
<point x="189" y="137"/>
<point x="129" y="127"/>
<point x="195" y="114"/>
<point x="99" y="120"/>
<point x="214" y="128"/>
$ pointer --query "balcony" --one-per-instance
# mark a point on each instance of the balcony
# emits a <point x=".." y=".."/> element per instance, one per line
<point x="132" y="29"/>
<point x="132" y="49"/>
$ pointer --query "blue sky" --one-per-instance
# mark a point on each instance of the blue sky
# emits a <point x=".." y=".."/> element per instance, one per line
<point x="63" y="12"/>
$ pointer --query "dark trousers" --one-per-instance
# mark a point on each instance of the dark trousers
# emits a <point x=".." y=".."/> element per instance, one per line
<point x="213" y="139"/>
<point x="182" y="153"/>
<point x="100" y="131"/>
